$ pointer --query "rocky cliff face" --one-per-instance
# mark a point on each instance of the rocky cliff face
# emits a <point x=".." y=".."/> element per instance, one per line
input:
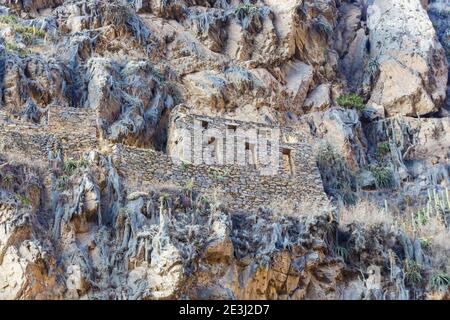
<point x="369" y="78"/>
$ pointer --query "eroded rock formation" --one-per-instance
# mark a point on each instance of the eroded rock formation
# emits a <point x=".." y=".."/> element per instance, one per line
<point x="368" y="79"/>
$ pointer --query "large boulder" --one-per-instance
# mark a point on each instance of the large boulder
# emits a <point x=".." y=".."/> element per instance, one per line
<point x="299" y="78"/>
<point x="411" y="62"/>
<point x="319" y="99"/>
<point x="342" y="129"/>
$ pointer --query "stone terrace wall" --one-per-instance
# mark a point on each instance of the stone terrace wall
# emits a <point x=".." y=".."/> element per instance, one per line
<point x="72" y="129"/>
<point x="76" y="127"/>
<point x="244" y="187"/>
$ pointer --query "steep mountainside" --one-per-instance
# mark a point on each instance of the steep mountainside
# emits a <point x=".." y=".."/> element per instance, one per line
<point x="82" y="80"/>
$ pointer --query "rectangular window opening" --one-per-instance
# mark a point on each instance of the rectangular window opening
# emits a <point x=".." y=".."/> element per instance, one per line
<point x="213" y="148"/>
<point x="250" y="150"/>
<point x="287" y="161"/>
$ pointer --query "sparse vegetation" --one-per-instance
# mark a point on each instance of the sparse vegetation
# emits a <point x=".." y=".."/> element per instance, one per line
<point x="246" y="10"/>
<point x="373" y="67"/>
<point x="341" y="252"/>
<point x="189" y="187"/>
<point x="440" y="282"/>
<point x="24" y="200"/>
<point x="365" y="212"/>
<point x="420" y="218"/>
<point x="322" y="26"/>
<point x="383" y="176"/>
<point x="185" y="165"/>
<point x="248" y="14"/>
<point x="219" y="174"/>
<point x="413" y="272"/>
<point x="425" y="242"/>
<point x="13" y="47"/>
<point x="29" y="34"/>
<point x="62" y="182"/>
<point x="437" y="206"/>
<point x="7" y="180"/>
<point x="383" y="149"/>
<point x="339" y="182"/>
<point x="71" y="165"/>
<point x="433" y="236"/>
<point x="164" y="199"/>
<point x="351" y="100"/>
<point x="8" y="19"/>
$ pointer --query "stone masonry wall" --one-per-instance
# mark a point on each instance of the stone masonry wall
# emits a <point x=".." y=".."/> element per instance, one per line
<point x="74" y="130"/>
<point x="243" y="186"/>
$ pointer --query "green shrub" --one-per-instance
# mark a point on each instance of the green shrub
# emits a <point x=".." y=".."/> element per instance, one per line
<point x="189" y="186"/>
<point x="322" y="26"/>
<point x="351" y="100"/>
<point x="247" y="13"/>
<point x="383" y="176"/>
<point x="425" y="242"/>
<point x="413" y="272"/>
<point x="440" y="282"/>
<point x="383" y="149"/>
<point x="12" y="47"/>
<point x="218" y="174"/>
<point x="185" y="165"/>
<point x="29" y="34"/>
<point x="164" y="200"/>
<point x="8" y="19"/>
<point x="420" y="218"/>
<point x="373" y="67"/>
<point x="7" y="179"/>
<point x="341" y="252"/>
<point x="24" y="200"/>
<point x="62" y="182"/>
<point x="70" y="166"/>
<point x="338" y="180"/>
<point x="246" y="10"/>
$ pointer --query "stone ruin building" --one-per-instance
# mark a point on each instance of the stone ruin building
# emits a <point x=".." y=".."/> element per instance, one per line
<point x="226" y="161"/>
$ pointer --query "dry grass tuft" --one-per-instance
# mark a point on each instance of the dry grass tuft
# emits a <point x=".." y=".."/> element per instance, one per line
<point x="367" y="213"/>
<point x="283" y="207"/>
